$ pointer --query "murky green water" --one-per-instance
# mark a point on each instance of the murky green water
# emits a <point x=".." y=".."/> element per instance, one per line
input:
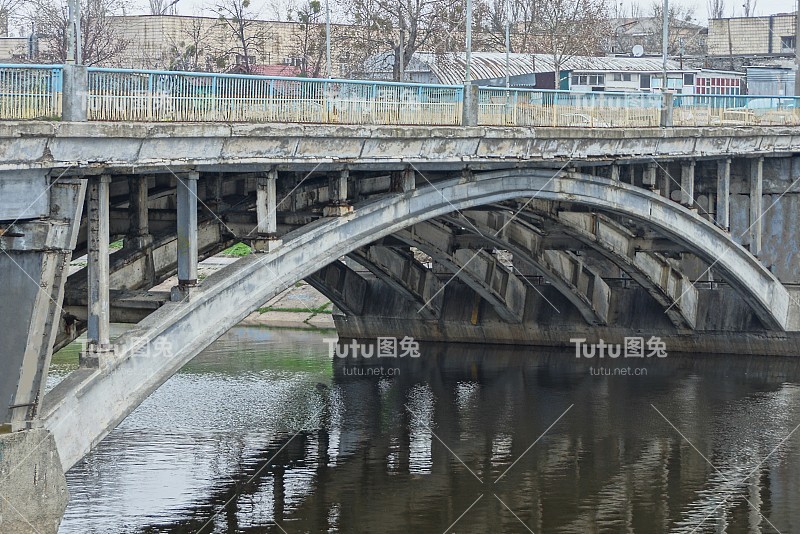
<point x="263" y="432"/>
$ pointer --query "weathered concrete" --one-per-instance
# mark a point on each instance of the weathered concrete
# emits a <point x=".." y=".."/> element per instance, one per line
<point x="34" y="258"/>
<point x="209" y="147"/>
<point x="33" y="490"/>
<point x="88" y="404"/>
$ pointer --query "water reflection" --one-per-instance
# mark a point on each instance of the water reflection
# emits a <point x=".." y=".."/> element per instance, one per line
<point x="263" y="433"/>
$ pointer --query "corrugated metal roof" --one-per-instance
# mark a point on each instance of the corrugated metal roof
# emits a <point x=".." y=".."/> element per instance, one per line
<point x="449" y="68"/>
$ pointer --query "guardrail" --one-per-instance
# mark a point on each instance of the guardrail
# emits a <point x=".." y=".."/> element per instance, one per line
<point x="30" y="91"/>
<point x="35" y="92"/>
<point x="532" y="107"/>
<point x="735" y="110"/>
<point x="134" y="95"/>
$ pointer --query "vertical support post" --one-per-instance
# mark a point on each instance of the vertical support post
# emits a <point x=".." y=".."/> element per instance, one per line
<point x="266" y="212"/>
<point x="665" y="187"/>
<point x="756" y="210"/>
<point x="649" y="177"/>
<point x="138" y="209"/>
<point x="667" y="104"/>
<point x="615" y="172"/>
<point x="187" y="234"/>
<point x="723" y="193"/>
<point x="403" y="181"/>
<point x="337" y="195"/>
<point x="687" y="183"/>
<point x="98" y="264"/>
<point x="469" y="115"/>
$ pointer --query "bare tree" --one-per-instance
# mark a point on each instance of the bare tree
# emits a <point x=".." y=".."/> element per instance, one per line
<point x="311" y="40"/>
<point x="404" y="26"/>
<point x="190" y="51"/>
<point x="247" y="33"/>
<point x="162" y="7"/>
<point x="100" y="40"/>
<point x="569" y="28"/>
<point x="749" y="8"/>
<point x="716" y="9"/>
<point x="682" y="33"/>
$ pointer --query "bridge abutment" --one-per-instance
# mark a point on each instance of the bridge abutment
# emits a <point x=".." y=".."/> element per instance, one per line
<point x="33" y="493"/>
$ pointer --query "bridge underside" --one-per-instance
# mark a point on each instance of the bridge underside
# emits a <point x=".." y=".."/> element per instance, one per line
<point x="537" y="254"/>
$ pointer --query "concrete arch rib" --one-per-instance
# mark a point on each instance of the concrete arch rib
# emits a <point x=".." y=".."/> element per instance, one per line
<point x="84" y="408"/>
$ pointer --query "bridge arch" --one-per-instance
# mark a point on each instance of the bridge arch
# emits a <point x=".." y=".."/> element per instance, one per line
<point x="84" y="409"/>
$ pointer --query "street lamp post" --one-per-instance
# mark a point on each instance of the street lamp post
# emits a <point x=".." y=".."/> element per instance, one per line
<point x="508" y="43"/>
<point x="665" y="41"/>
<point x="328" y="38"/>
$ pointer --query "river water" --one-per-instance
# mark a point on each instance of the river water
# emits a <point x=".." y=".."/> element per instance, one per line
<point x="266" y="432"/>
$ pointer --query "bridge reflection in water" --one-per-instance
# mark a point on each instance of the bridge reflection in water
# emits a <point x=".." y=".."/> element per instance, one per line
<point x="263" y="430"/>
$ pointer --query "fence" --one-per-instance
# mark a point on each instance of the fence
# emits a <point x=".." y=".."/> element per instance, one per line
<point x="735" y="110"/>
<point x="526" y="107"/>
<point x="30" y="91"/>
<point x="127" y="95"/>
<point x="34" y="92"/>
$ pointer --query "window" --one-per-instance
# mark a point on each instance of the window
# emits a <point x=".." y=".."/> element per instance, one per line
<point x="688" y="79"/>
<point x="617" y="77"/>
<point x="596" y="79"/>
<point x="626" y="77"/>
<point x="787" y="43"/>
<point x="644" y="81"/>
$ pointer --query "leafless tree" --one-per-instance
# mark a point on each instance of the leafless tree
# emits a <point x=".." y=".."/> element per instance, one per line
<point x="190" y="51"/>
<point x="162" y="7"/>
<point x="680" y="21"/>
<point x="100" y="40"/>
<point x="569" y="28"/>
<point x="247" y="33"/>
<point x="716" y="9"/>
<point x="404" y="26"/>
<point x="311" y="40"/>
<point x="749" y="8"/>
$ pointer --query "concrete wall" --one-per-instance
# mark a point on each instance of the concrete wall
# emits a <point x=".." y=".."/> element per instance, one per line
<point x="757" y="36"/>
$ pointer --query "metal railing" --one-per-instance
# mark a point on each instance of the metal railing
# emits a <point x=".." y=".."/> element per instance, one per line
<point x="35" y="92"/>
<point x="735" y="110"/>
<point x="133" y="95"/>
<point x="30" y="91"/>
<point x="531" y="107"/>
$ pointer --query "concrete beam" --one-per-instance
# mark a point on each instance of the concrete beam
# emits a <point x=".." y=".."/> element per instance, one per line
<point x="406" y="275"/>
<point x="341" y="285"/>
<point x="481" y="271"/>
<point x="579" y="284"/>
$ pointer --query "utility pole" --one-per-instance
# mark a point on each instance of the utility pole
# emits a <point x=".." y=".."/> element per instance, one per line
<point x="508" y="43"/>
<point x="467" y="73"/>
<point x="73" y="33"/>
<point x="665" y="40"/>
<point x="797" y="51"/>
<point x="328" y="37"/>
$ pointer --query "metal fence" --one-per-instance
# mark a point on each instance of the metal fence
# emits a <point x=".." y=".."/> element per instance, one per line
<point x="34" y="92"/>
<point x="735" y="110"/>
<point x="30" y="91"/>
<point x="527" y="107"/>
<point x="128" y="95"/>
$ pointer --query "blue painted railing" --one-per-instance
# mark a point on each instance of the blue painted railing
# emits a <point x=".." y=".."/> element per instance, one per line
<point x="30" y="91"/>
<point x="34" y="91"/>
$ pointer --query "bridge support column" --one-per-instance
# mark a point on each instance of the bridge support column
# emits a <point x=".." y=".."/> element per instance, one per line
<point x="403" y="181"/>
<point x="337" y="195"/>
<point x="756" y="190"/>
<point x="34" y="260"/>
<point x="266" y="207"/>
<point x="139" y="237"/>
<point x="649" y="176"/>
<point x="98" y="212"/>
<point x="615" y="173"/>
<point x="723" y="193"/>
<point x="187" y="235"/>
<point x="687" y="183"/>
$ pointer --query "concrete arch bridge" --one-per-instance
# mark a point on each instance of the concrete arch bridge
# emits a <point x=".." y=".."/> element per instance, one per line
<point x="533" y="236"/>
